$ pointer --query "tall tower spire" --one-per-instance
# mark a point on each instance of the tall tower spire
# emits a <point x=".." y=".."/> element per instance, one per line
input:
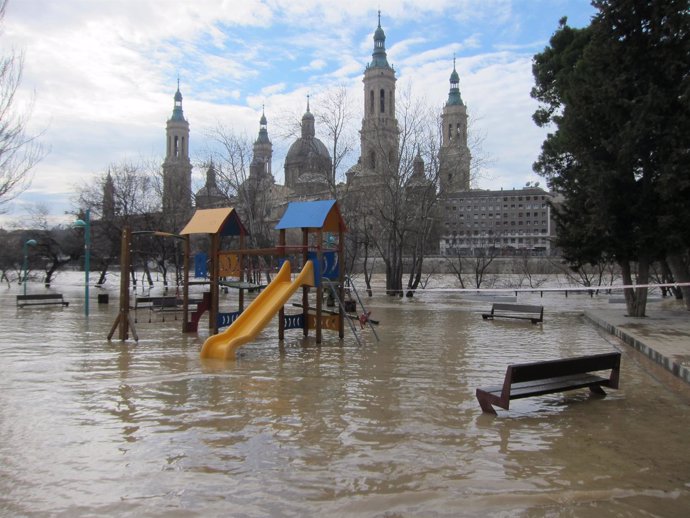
<point x="263" y="150"/>
<point x="177" y="168"/>
<point x="454" y="93"/>
<point x="379" y="135"/>
<point x="378" y="57"/>
<point x="454" y="155"/>
<point x="308" y="130"/>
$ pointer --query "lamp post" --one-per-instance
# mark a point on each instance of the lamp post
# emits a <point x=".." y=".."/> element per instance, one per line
<point x="86" y="225"/>
<point x="27" y="244"/>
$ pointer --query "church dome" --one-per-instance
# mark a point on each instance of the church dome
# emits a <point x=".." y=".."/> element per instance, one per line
<point x="308" y="162"/>
<point x="304" y="149"/>
<point x="210" y="196"/>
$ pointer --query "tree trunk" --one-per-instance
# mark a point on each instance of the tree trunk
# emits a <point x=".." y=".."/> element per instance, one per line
<point x="635" y="298"/>
<point x="393" y="278"/>
<point x="415" y="274"/>
<point x="102" y="277"/>
<point x="681" y="273"/>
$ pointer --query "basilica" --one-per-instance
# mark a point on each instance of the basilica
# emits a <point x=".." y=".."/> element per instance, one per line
<point x="309" y="172"/>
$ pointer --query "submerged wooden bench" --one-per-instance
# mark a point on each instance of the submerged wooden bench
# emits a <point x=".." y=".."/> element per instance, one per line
<point x="547" y="377"/>
<point x="41" y="299"/>
<point x="534" y="314"/>
<point x="161" y="304"/>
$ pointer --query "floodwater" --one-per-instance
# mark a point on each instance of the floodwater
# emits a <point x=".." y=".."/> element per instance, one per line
<point x="391" y="428"/>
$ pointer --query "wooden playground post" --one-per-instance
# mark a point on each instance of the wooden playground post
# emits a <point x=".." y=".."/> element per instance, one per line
<point x="319" y="284"/>
<point x="240" y="263"/>
<point x="215" y="278"/>
<point x="341" y="284"/>
<point x="124" y="320"/>
<point x="185" y="288"/>
<point x="281" y="313"/>
<point x="305" y="289"/>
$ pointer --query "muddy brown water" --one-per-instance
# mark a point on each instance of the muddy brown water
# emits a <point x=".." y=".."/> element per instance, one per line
<point x="391" y="428"/>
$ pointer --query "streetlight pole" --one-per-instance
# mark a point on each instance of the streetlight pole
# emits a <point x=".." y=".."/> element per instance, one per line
<point x="86" y="225"/>
<point x="27" y="244"/>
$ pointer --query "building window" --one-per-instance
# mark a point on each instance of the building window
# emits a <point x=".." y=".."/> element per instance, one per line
<point x="383" y="100"/>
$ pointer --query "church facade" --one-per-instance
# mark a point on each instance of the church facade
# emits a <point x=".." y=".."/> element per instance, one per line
<point x="309" y="172"/>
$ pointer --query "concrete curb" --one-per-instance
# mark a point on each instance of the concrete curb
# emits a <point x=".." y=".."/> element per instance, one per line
<point x="655" y="349"/>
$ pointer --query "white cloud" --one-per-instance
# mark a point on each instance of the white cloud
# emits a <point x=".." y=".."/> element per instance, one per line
<point x="104" y="73"/>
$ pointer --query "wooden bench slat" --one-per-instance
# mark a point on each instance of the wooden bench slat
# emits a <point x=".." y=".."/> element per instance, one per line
<point x="535" y="388"/>
<point x="41" y="299"/>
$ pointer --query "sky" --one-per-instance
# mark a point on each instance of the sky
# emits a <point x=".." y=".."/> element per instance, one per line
<point x="100" y="75"/>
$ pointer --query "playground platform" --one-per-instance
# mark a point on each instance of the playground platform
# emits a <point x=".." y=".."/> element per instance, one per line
<point x="663" y="336"/>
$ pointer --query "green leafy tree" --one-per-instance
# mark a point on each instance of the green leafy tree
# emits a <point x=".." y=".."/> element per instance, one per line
<point x="617" y="94"/>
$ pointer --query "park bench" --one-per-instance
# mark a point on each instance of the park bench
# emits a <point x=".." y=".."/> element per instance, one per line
<point x="160" y="304"/>
<point x="534" y="314"/>
<point x="41" y="300"/>
<point x="547" y="377"/>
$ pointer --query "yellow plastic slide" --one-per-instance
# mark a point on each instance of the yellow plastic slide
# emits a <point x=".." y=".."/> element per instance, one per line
<point x="253" y="319"/>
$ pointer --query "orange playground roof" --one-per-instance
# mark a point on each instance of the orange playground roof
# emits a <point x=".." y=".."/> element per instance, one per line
<point x="225" y="221"/>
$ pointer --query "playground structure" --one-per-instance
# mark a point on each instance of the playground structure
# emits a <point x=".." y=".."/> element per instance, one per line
<point x="321" y="254"/>
<point x="217" y="223"/>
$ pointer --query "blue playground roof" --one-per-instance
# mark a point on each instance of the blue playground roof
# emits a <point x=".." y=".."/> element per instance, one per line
<point x="322" y="214"/>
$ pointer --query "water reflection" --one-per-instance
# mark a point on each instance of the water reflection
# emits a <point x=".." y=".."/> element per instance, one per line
<point x="90" y="427"/>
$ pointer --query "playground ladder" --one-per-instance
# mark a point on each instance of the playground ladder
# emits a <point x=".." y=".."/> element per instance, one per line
<point x="350" y="284"/>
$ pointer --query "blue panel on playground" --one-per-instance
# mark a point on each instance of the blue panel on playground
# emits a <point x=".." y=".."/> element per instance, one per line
<point x="328" y="267"/>
<point x="201" y="265"/>
<point x="226" y="319"/>
<point x="233" y="226"/>
<point x="294" y="321"/>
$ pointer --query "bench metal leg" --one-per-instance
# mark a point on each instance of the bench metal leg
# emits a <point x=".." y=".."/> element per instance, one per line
<point x="596" y="389"/>
<point x="486" y="406"/>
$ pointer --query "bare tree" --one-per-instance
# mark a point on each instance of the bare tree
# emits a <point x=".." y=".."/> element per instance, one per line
<point x="254" y="193"/>
<point x="335" y="114"/>
<point x="476" y="266"/>
<point x="397" y="196"/>
<point x="126" y="194"/>
<point x="19" y="151"/>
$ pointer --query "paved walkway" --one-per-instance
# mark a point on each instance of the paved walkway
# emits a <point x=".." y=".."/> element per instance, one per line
<point x="663" y="336"/>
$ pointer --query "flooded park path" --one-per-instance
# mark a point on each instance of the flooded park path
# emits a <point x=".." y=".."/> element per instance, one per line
<point x="390" y="428"/>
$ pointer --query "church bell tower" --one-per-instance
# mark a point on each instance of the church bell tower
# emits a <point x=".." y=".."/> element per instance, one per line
<point x="379" y="135"/>
<point x="177" y="168"/>
<point x="454" y="155"/>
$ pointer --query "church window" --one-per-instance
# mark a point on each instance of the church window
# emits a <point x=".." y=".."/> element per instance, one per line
<point x="383" y="100"/>
<point x="450" y="132"/>
<point x="176" y="149"/>
<point x="371" y="102"/>
<point x="372" y="160"/>
<point x="390" y="102"/>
